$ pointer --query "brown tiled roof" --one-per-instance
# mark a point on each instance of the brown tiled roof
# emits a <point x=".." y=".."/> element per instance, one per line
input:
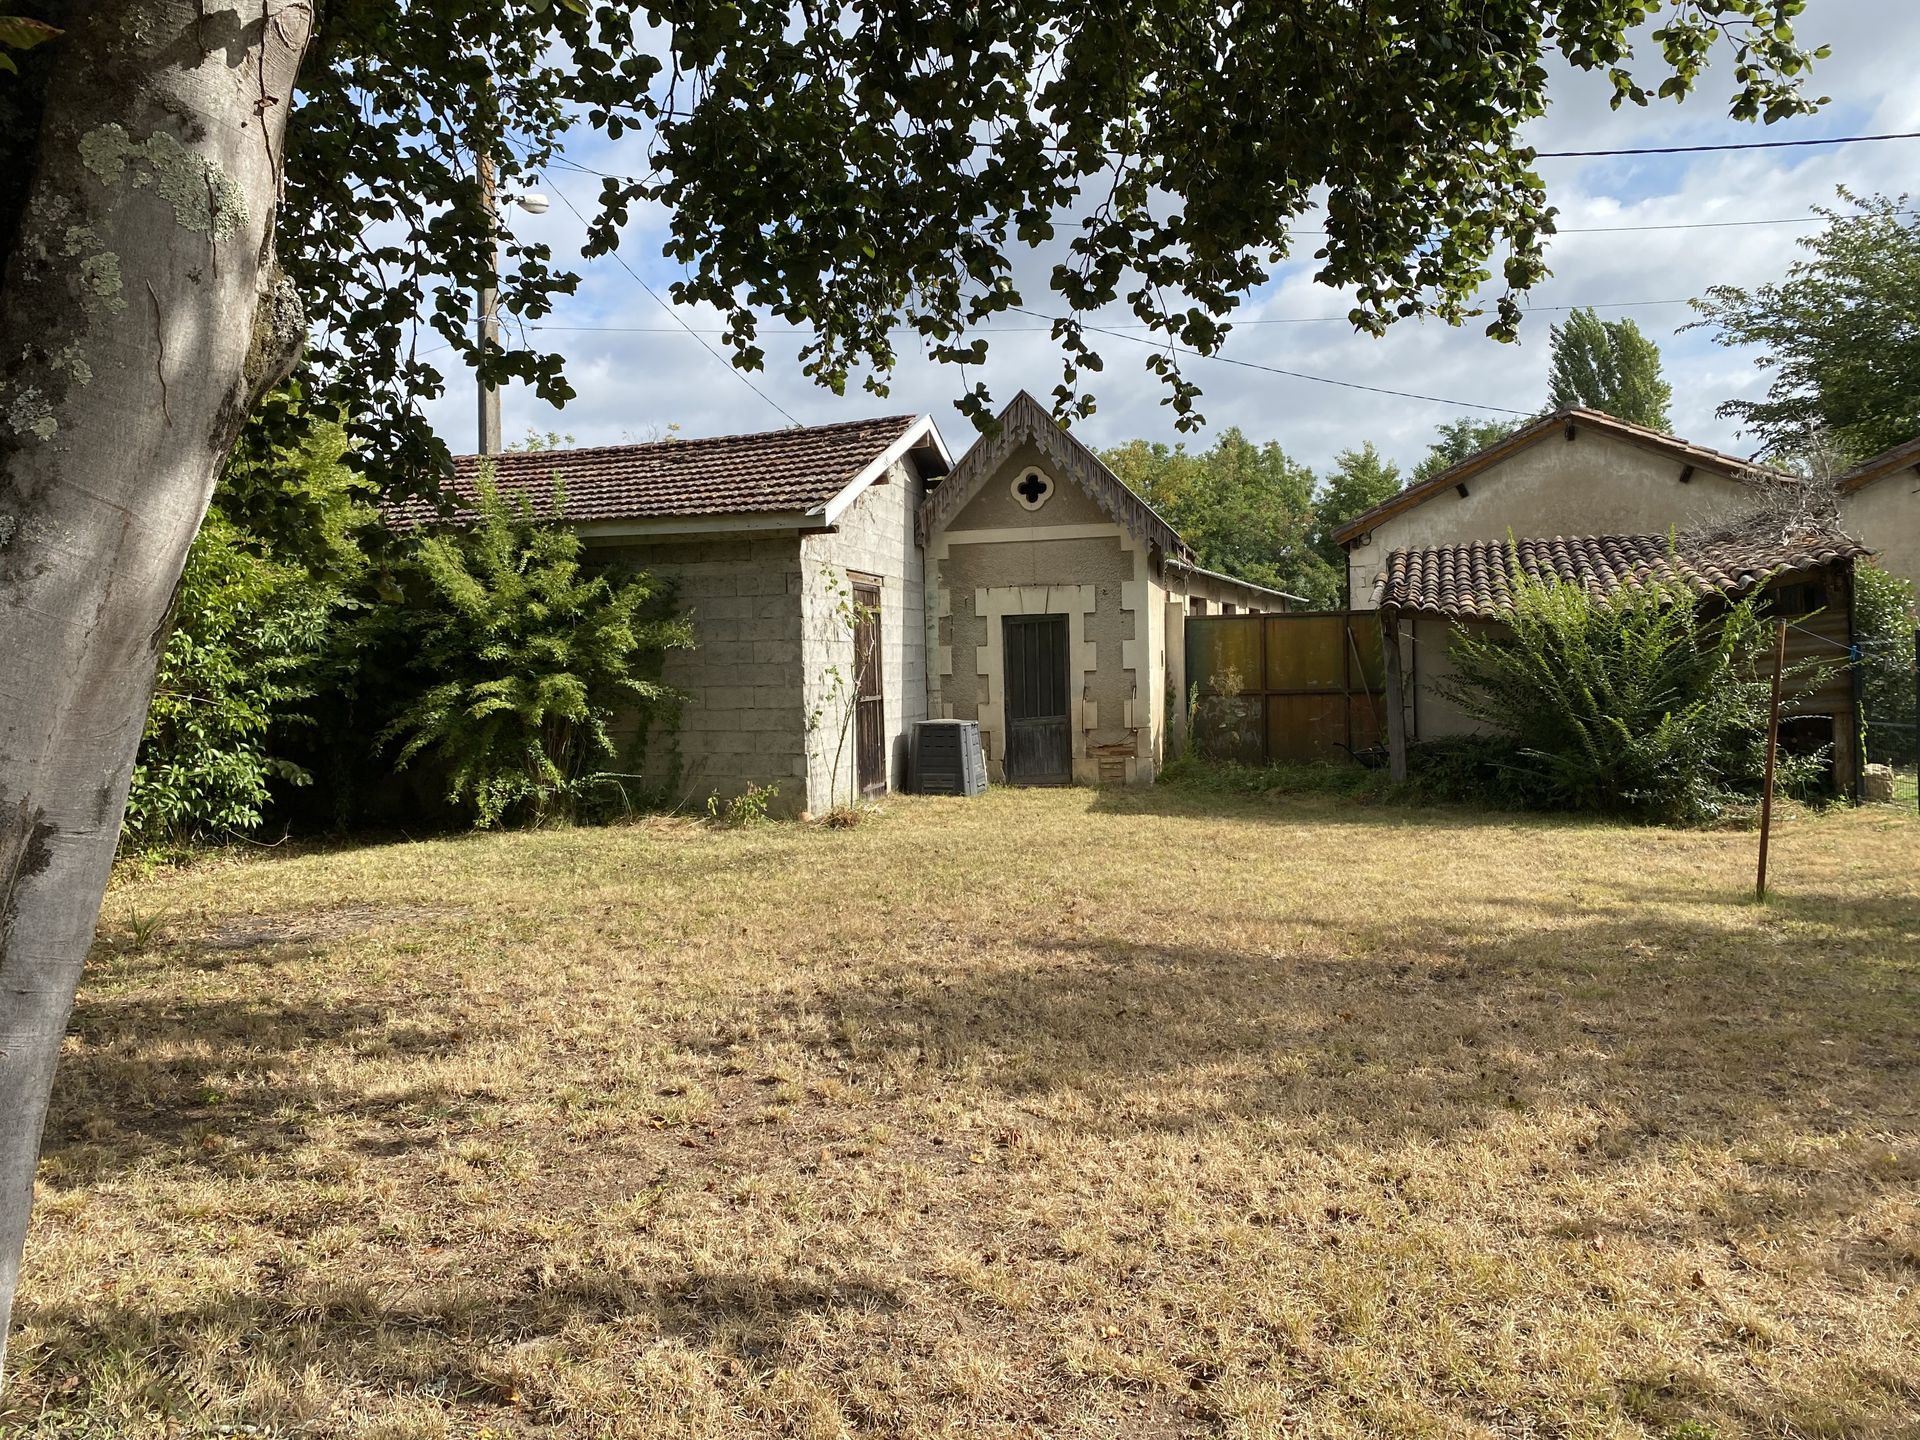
<point x="1462" y="582"/>
<point x="778" y="471"/>
<point x="1559" y="421"/>
<point x="1887" y="462"/>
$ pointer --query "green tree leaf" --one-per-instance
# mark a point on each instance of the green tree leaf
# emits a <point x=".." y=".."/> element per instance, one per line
<point x="1840" y="334"/>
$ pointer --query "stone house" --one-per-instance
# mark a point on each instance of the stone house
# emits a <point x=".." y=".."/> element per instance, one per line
<point x="845" y="581"/>
<point x="1574" y="472"/>
<point x="1056" y="607"/>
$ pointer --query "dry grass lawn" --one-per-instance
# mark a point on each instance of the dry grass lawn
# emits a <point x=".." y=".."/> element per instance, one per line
<point x="1048" y="1114"/>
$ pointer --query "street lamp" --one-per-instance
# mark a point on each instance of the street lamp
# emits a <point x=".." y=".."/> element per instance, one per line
<point x="487" y="323"/>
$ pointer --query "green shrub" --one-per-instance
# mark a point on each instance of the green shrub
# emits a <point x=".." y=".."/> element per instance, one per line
<point x="251" y="625"/>
<point x="1487" y="770"/>
<point x="1883" y="624"/>
<point x="751" y="806"/>
<point x="1646" y="704"/>
<point x="517" y="659"/>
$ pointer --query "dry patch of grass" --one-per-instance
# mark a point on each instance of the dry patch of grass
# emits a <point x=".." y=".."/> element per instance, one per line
<point x="1047" y="1114"/>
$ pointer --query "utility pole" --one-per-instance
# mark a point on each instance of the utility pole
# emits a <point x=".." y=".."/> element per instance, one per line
<point x="487" y="323"/>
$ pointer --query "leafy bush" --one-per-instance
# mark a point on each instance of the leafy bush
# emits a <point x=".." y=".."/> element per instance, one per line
<point x="251" y="625"/>
<point x="1645" y="704"/>
<point x="1487" y="770"/>
<point x="1883" y="625"/>
<point x="751" y="806"/>
<point x="517" y="660"/>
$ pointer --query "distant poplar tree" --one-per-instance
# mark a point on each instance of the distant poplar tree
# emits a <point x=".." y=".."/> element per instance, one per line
<point x="1609" y="366"/>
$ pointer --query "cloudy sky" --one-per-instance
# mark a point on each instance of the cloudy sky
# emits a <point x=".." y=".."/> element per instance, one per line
<point x="637" y="371"/>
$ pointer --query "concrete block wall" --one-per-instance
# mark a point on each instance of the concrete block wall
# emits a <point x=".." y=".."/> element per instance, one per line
<point x="744" y="720"/>
<point x="873" y="537"/>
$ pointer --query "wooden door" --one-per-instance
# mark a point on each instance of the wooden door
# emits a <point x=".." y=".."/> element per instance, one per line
<point x="1039" y="716"/>
<point x="869" y="692"/>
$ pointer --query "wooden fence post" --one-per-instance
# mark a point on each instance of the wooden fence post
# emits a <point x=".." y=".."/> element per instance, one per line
<point x="1773" y="745"/>
<point x="1396" y="695"/>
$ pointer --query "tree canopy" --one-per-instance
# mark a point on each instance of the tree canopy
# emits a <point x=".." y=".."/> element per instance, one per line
<point x="1360" y="479"/>
<point x="1841" y="334"/>
<point x="1247" y="509"/>
<point x="807" y="200"/>
<point x="1609" y="366"/>
<point x="1457" y="439"/>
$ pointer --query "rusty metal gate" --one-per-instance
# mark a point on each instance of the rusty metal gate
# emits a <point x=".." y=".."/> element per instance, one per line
<point x="1293" y="687"/>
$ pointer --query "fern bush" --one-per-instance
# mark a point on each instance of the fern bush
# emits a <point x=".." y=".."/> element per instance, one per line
<point x="518" y="658"/>
<point x="1645" y="704"/>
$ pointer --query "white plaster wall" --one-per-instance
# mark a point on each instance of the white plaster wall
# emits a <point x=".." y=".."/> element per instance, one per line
<point x="874" y="537"/>
<point x="1885" y="517"/>
<point x="1594" y="484"/>
<point x="1427" y="661"/>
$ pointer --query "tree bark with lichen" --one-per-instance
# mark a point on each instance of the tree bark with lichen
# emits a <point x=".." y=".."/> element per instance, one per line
<point x="141" y="318"/>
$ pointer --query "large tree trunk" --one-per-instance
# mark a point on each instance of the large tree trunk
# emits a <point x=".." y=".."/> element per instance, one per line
<point x="140" y="320"/>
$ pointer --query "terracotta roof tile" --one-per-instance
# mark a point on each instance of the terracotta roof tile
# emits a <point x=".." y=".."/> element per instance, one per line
<point x="1471" y="581"/>
<point x="797" y="470"/>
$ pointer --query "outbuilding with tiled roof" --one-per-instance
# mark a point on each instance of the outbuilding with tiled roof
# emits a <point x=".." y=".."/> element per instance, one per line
<point x="1427" y="596"/>
<point x="792" y="553"/>
<point x="846" y="581"/>
<point x="1571" y="472"/>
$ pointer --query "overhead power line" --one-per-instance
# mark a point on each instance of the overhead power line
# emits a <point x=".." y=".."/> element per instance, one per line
<point x="1291" y="374"/>
<point x="1555" y="155"/>
<point x="1730" y="145"/>
<point x="731" y="369"/>
<point x="991" y="328"/>
<point x="1538" y="155"/>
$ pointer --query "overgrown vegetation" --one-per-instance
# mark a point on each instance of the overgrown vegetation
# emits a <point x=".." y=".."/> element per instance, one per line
<point x="269" y="584"/>
<point x="311" y="641"/>
<point x="1838" y="334"/>
<point x="519" y="659"/>
<point x="1884" y="619"/>
<point x="830" y="722"/>
<point x="752" y="806"/>
<point x="1647" y="704"/>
